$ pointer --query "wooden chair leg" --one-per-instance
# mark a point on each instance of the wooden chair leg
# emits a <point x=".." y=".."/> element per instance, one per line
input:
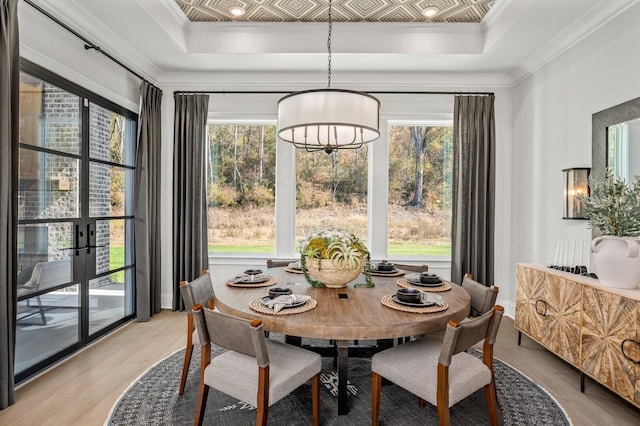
<point x="185" y="367"/>
<point x="187" y="354"/>
<point x="203" y="389"/>
<point x="315" y="399"/>
<point x="376" y="385"/>
<point x="492" y="403"/>
<point x="442" y="395"/>
<point x="262" y="411"/>
<point x="444" y="416"/>
<point x="203" y="393"/>
<point x="421" y="403"/>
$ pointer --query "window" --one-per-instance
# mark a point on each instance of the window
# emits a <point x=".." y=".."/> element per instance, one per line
<point x="618" y="149"/>
<point x="241" y="188"/>
<point x="338" y="189"/>
<point x="331" y="190"/>
<point x="420" y="176"/>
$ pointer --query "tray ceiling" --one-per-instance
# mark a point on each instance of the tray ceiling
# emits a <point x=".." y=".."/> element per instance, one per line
<point x="343" y="11"/>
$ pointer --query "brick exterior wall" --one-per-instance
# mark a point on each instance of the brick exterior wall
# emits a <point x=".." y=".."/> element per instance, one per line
<point x="51" y="185"/>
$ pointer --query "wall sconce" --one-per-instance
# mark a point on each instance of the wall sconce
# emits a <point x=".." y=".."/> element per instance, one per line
<point x="576" y="182"/>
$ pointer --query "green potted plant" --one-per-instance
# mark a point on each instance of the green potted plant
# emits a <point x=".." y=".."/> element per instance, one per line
<point x="332" y="258"/>
<point x="613" y="209"/>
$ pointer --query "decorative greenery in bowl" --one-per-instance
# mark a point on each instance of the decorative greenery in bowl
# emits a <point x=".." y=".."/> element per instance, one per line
<point x="613" y="207"/>
<point x="342" y="250"/>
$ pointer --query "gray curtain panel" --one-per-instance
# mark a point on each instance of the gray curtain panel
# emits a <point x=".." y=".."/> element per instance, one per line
<point x="190" y="246"/>
<point x="147" y="203"/>
<point x="9" y="100"/>
<point x="472" y="234"/>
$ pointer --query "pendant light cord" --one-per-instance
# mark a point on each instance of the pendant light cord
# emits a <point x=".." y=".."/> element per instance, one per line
<point x="329" y="46"/>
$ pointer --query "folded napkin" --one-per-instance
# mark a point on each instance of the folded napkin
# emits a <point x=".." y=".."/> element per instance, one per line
<point x="431" y="298"/>
<point x="294" y="265"/>
<point x="286" y="299"/>
<point x="246" y="278"/>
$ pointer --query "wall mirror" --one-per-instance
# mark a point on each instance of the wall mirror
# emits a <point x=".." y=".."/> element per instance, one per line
<point x="616" y="141"/>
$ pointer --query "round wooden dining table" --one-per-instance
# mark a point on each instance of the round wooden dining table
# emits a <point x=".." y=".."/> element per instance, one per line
<point x="344" y="314"/>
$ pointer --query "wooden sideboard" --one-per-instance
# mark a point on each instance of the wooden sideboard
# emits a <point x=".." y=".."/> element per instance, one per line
<point x="593" y="327"/>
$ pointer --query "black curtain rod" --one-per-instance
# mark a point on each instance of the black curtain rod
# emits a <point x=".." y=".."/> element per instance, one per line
<point x="88" y="44"/>
<point x="259" y="92"/>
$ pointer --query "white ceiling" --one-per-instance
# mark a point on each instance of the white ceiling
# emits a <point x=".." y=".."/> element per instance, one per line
<point x="155" y="38"/>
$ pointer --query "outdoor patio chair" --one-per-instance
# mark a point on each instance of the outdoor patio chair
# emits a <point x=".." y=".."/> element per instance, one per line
<point x="442" y="373"/>
<point x="44" y="275"/>
<point x="254" y="369"/>
<point x="198" y="291"/>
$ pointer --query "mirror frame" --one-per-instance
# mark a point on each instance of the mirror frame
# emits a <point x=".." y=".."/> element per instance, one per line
<point x="600" y="123"/>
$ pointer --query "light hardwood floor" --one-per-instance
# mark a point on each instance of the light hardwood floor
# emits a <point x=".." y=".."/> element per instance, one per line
<point x="82" y="390"/>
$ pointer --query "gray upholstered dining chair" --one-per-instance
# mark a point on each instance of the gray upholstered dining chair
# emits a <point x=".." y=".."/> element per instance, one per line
<point x="483" y="297"/>
<point x="412" y="268"/>
<point x="254" y="369"/>
<point x="199" y="291"/>
<point x="442" y="373"/>
<point x="279" y="263"/>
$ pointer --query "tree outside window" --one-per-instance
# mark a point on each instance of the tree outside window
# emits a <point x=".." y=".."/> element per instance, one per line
<point x="420" y="175"/>
<point x="241" y="188"/>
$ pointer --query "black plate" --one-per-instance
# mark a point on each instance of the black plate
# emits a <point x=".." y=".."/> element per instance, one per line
<point x="253" y="271"/>
<point x="247" y="280"/>
<point x="415" y="305"/>
<point x="417" y="282"/>
<point x="376" y="271"/>
<point x="266" y="299"/>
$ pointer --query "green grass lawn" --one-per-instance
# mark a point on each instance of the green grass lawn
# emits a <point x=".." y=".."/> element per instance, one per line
<point x="116" y="260"/>
<point x="257" y="249"/>
<point x="416" y="248"/>
<point x="404" y="248"/>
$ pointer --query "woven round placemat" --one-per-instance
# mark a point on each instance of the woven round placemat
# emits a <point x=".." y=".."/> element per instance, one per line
<point x="258" y="306"/>
<point x="293" y="270"/>
<point x="270" y="281"/>
<point x="402" y="282"/>
<point x="388" y="302"/>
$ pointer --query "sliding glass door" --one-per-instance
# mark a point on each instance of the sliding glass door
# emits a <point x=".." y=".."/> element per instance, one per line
<point x="75" y="248"/>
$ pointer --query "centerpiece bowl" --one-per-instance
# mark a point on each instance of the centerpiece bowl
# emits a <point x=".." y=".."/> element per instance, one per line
<point x="332" y="275"/>
<point x="332" y="258"/>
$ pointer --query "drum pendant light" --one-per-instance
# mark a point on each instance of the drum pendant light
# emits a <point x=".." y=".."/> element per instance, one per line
<point x="328" y="119"/>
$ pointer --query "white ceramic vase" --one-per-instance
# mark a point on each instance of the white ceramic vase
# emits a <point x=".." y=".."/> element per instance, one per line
<point x="617" y="261"/>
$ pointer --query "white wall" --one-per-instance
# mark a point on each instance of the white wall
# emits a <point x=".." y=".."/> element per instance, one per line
<point x="45" y="43"/>
<point x="552" y="112"/>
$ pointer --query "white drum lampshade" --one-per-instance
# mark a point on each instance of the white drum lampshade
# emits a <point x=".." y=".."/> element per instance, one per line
<point x="328" y="119"/>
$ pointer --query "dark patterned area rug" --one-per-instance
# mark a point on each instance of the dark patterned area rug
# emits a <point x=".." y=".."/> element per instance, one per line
<point x="153" y="400"/>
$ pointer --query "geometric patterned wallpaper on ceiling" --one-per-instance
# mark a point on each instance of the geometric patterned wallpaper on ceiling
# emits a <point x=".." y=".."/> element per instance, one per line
<point x="342" y="11"/>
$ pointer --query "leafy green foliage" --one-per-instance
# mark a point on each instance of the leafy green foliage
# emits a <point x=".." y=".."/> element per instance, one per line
<point x="343" y="248"/>
<point x="613" y="207"/>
